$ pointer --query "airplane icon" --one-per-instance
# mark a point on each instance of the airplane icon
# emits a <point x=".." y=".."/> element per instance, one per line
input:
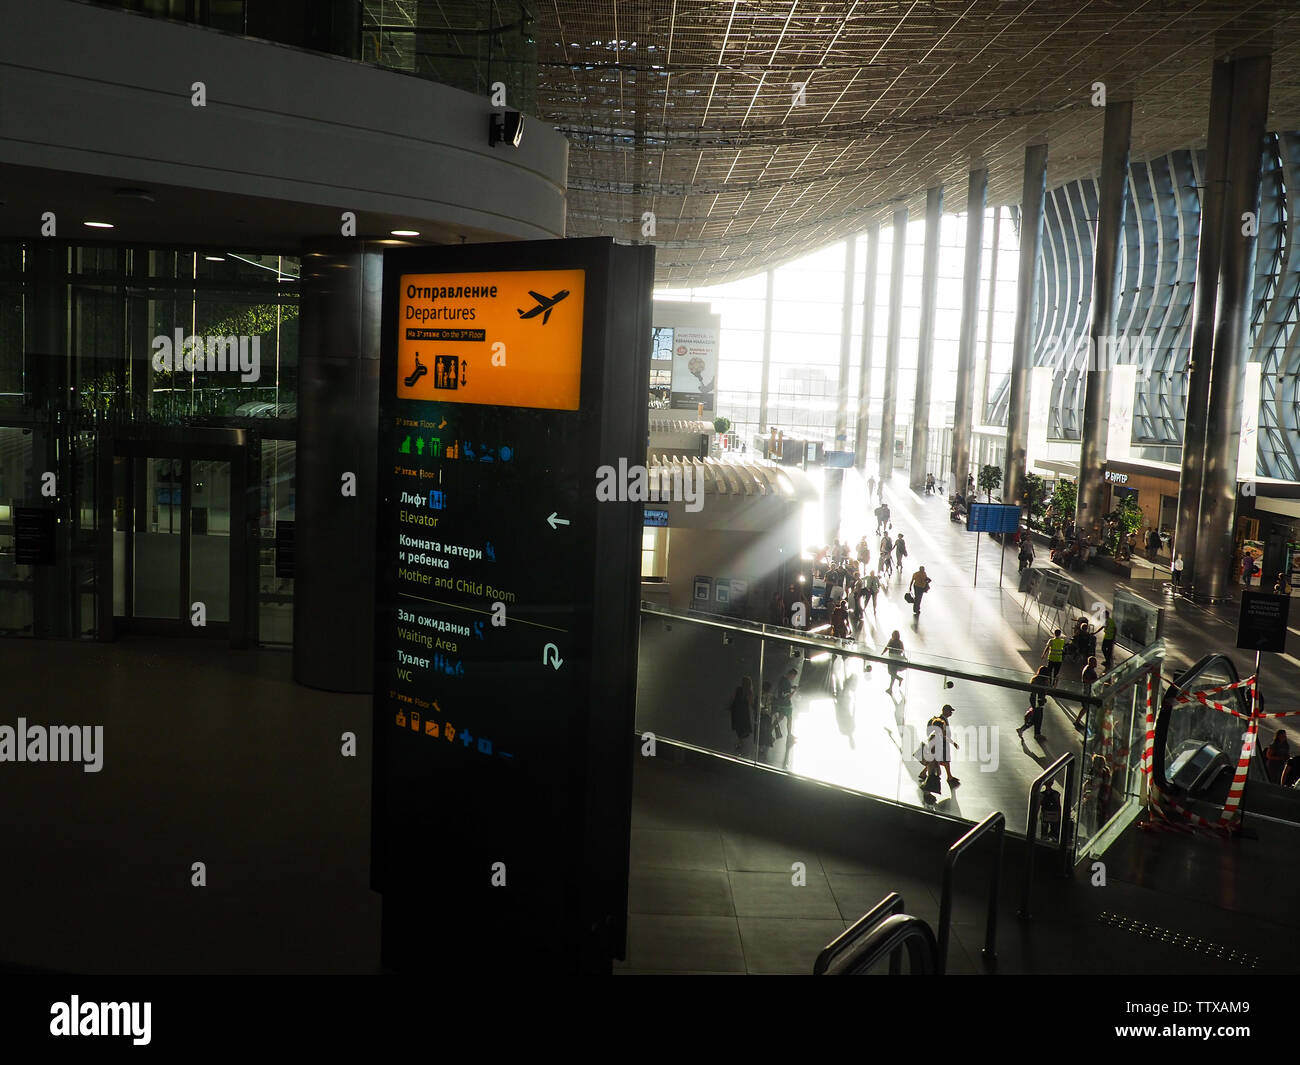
<point x="543" y="304"/>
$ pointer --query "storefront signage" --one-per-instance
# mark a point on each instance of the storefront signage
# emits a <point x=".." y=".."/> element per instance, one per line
<point x="1116" y="478"/>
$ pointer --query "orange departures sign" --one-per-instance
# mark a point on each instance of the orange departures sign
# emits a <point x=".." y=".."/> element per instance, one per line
<point x="500" y="338"/>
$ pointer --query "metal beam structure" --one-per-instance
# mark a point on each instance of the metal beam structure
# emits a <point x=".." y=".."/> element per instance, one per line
<point x="977" y="186"/>
<point x="1203" y="314"/>
<point x="1211" y="579"/>
<point x="868" y="328"/>
<point x="1033" y="195"/>
<point x="763" y="427"/>
<point x="846" y="341"/>
<point x="925" y="342"/>
<point x="1116" y="131"/>
<point x="888" y="410"/>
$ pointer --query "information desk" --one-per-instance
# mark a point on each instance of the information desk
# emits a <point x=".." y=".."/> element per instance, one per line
<point x="507" y="602"/>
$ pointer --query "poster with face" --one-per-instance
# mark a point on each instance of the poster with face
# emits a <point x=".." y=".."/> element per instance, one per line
<point x="695" y="368"/>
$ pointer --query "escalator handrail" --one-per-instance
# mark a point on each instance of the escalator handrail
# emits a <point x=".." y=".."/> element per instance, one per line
<point x="1065" y="762"/>
<point x="889" y="937"/>
<point x="886" y="907"/>
<point x="995" y="822"/>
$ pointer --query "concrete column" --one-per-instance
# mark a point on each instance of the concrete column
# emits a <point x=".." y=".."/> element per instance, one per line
<point x="868" y="327"/>
<point x="977" y="187"/>
<point x="1032" y="198"/>
<point x="1212" y="577"/>
<point x="1118" y="124"/>
<point x="925" y="341"/>
<point x="890" y="399"/>
<point x="763" y="427"/>
<point x="846" y="341"/>
<point x="338" y="421"/>
<point x="1208" y="253"/>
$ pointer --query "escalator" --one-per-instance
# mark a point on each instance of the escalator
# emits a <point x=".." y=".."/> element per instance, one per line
<point x="1196" y="746"/>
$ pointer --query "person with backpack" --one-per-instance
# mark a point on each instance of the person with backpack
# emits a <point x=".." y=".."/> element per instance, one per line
<point x="1026" y="554"/>
<point x="936" y="754"/>
<point x="1037" y="703"/>
<point x="864" y="554"/>
<point x="900" y="550"/>
<point x="919" y="585"/>
<point x="1054" y="653"/>
<point x="742" y="712"/>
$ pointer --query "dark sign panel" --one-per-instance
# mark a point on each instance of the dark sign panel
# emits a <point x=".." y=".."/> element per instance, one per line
<point x="284" y="549"/>
<point x="993" y="518"/>
<point x="507" y="601"/>
<point x="1263" y="622"/>
<point x="655" y="516"/>
<point x="34" y="536"/>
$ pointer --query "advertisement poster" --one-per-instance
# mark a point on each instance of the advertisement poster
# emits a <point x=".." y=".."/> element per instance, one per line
<point x="1293" y="567"/>
<point x="695" y="368"/>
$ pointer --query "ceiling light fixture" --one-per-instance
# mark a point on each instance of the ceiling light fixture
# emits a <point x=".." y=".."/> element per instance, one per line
<point x="98" y="225"/>
<point x="215" y="258"/>
<point x="404" y="232"/>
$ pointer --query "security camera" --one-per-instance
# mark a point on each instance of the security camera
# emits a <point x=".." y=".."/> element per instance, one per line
<point x="505" y="126"/>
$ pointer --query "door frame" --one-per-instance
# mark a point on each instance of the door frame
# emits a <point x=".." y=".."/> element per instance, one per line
<point x="235" y="446"/>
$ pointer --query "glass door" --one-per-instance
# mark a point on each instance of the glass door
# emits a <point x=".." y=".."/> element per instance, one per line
<point x="176" y="550"/>
<point x="157" y="541"/>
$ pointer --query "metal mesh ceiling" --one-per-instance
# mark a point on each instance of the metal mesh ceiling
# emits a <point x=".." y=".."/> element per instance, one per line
<point x="687" y="108"/>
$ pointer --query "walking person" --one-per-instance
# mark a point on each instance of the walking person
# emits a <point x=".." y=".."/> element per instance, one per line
<point x="1054" y="653"/>
<point x="880" y="518"/>
<point x="1108" y="640"/>
<point x="918" y="585"/>
<point x="1176" y="571"/>
<point x="864" y="554"/>
<point x="929" y="484"/>
<point x="900" y="550"/>
<point x="1026" y="554"/>
<point x="783" y="707"/>
<point x="871" y="486"/>
<point x="742" y="712"/>
<point x="884" y="508"/>
<point x="765" y="720"/>
<point x="937" y="752"/>
<point x="1037" y="703"/>
<point x="1091" y="673"/>
<point x="893" y="651"/>
<point x="871" y="589"/>
<point x="887" y="555"/>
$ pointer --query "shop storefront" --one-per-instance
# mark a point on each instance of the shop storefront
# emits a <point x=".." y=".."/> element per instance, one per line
<point x="1155" y="489"/>
<point x="1268" y="532"/>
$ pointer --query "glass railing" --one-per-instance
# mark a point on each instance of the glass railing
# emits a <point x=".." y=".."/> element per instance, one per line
<point x="1111" y="772"/>
<point x="858" y="717"/>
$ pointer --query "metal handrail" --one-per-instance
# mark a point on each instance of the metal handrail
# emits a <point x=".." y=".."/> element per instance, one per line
<point x="890" y="936"/>
<point x="886" y="907"/>
<point x="1066" y="762"/>
<point x="994" y="821"/>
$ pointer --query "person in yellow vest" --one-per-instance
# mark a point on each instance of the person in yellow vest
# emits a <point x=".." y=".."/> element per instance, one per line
<point x="1054" y="653"/>
<point x="1108" y="640"/>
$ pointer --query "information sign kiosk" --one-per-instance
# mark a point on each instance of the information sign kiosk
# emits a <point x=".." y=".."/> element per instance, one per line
<point x="507" y="603"/>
